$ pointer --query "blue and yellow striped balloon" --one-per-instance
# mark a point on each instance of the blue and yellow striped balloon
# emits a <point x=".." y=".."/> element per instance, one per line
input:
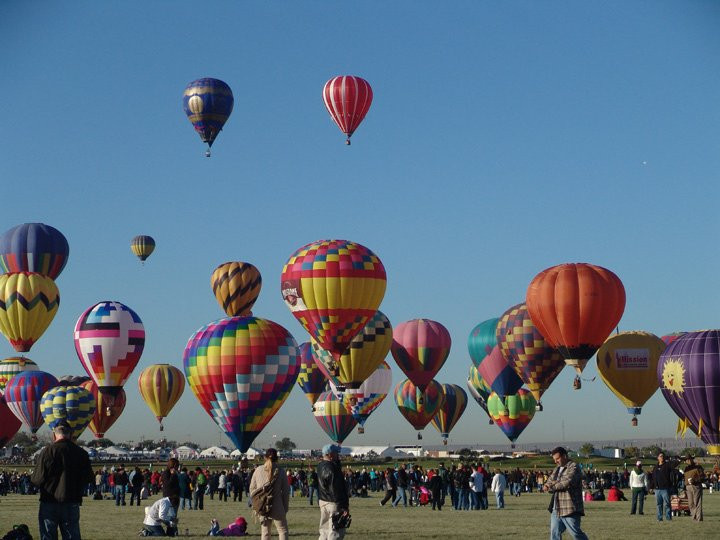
<point x="74" y="404"/>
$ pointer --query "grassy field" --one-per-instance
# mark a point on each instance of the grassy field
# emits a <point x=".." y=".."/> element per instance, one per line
<point x="525" y="517"/>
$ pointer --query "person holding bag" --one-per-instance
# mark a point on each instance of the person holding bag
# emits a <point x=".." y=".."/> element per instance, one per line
<point x="270" y="496"/>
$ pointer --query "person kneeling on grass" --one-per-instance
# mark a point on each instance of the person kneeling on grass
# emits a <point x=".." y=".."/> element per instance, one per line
<point x="162" y="512"/>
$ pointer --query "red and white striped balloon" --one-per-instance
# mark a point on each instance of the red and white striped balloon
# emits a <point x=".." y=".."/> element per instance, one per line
<point x="348" y="100"/>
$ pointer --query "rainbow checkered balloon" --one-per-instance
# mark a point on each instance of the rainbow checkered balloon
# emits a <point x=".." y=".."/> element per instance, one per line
<point x="241" y="370"/>
<point x="73" y="404"/>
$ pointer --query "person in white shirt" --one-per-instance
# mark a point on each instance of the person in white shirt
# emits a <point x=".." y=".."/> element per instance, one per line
<point x="162" y="512"/>
<point x="498" y="486"/>
<point x="477" y="484"/>
<point x="639" y="486"/>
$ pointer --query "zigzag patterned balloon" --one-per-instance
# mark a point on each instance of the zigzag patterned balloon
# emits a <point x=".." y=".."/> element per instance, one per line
<point x="74" y="404"/>
<point x="241" y="370"/>
<point x="28" y="303"/>
<point x="12" y="366"/>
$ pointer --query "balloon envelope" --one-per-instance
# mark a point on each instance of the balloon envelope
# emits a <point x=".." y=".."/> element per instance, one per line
<point x="241" y="370"/>
<point x="9" y="423"/>
<point x="332" y="416"/>
<point x="627" y="363"/>
<point x="347" y="99"/>
<point x="361" y="402"/>
<point x="236" y="286"/>
<point x="482" y="339"/>
<point x="108" y="408"/>
<point x="420" y="348"/>
<point x="576" y="306"/>
<point x="689" y="377"/>
<point x="526" y="351"/>
<point x="109" y="340"/>
<point x="208" y="103"/>
<point x="73" y="404"/>
<point x="311" y="379"/>
<point x="366" y="352"/>
<point x="417" y="406"/>
<point x="478" y="388"/>
<point x="12" y="366"/>
<point x="28" y="304"/>
<point x="333" y="288"/>
<point x="34" y="247"/>
<point x="453" y="407"/>
<point x="161" y="386"/>
<point x="512" y="414"/>
<point x="142" y="246"/>
<point x="23" y="394"/>
<point x="497" y="373"/>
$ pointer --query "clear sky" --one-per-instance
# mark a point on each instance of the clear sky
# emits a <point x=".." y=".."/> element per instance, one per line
<point x="504" y="137"/>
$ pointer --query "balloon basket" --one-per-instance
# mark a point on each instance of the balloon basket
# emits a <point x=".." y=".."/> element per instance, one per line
<point x="361" y="430"/>
<point x="108" y="412"/>
<point x="207" y="153"/>
<point x="539" y="407"/>
<point x="347" y="141"/>
<point x="162" y="428"/>
<point x="634" y="421"/>
<point x="512" y="446"/>
<point x="444" y="442"/>
<point x="419" y="436"/>
<point x="577" y="383"/>
<point x="490" y="422"/>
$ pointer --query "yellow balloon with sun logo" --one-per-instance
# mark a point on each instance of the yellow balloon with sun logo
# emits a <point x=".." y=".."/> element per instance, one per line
<point x="627" y="363"/>
<point x="28" y="303"/>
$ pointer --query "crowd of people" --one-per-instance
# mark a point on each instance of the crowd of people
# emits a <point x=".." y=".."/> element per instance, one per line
<point x="464" y="487"/>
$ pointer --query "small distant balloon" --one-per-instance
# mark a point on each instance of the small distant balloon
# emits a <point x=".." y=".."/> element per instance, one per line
<point x="142" y="246"/>
<point x="208" y="103"/>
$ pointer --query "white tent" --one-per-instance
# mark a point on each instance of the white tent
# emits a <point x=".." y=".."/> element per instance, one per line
<point x="380" y="451"/>
<point x="114" y="451"/>
<point x="185" y="452"/>
<point x="215" y="452"/>
<point x="252" y="453"/>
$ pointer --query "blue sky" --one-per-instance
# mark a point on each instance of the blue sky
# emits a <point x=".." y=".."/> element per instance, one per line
<point x="504" y="137"/>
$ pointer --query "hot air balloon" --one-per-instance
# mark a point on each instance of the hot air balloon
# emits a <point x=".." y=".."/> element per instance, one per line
<point x="12" y="366"/>
<point x="241" y="370"/>
<point x="576" y="306"/>
<point x="361" y="402"/>
<point x="34" y="247"/>
<point x="23" y="394"/>
<point x="28" y="303"/>
<point x="689" y="376"/>
<point x="420" y="347"/>
<point x="108" y="408"/>
<point x="333" y="287"/>
<point x="512" y="414"/>
<point x="72" y="380"/>
<point x="348" y="99"/>
<point x="9" y="423"/>
<point x="482" y="339"/>
<point x="366" y="352"/>
<point x="109" y="340"/>
<point x="498" y="374"/>
<point x="208" y="104"/>
<point x="417" y="406"/>
<point x="73" y="404"/>
<point x="452" y="409"/>
<point x="333" y="417"/>
<point x="527" y="352"/>
<point x="142" y="246"/>
<point x="627" y="363"/>
<point x="669" y="338"/>
<point x="161" y="385"/>
<point x="479" y="389"/>
<point x="236" y="285"/>
<point x="310" y="378"/>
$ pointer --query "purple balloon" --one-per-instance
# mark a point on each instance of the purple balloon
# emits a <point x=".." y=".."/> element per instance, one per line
<point x="689" y="377"/>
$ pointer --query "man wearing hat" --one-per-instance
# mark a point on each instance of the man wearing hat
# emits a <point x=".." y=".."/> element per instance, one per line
<point x="694" y="476"/>
<point x="62" y="473"/>
<point x="332" y="492"/>
<point x="639" y="485"/>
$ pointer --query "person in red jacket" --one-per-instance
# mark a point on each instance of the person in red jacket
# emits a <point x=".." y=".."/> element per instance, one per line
<point x="615" y="495"/>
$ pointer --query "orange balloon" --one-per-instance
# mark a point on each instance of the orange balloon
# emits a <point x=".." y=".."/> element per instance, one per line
<point x="576" y="306"/>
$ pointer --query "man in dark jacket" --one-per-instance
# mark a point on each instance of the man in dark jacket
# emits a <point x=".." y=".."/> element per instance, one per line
<point x="332" y="492"/>
<point x="402" y="486"/>
<point x="661" y="480"/>
<point x="121" y="481"/>
<point x="62" y="473"/>
<point x="136" y="484"/>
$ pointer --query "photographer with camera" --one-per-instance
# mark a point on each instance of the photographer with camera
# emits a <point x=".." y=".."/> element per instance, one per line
<point x="332" y="495"/>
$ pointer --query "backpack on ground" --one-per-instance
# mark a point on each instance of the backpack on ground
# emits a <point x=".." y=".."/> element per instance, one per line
<point x="18" y="532"/>
<point x="262" y="497"/>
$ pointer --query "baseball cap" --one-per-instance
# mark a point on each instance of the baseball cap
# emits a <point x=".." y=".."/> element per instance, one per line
<point x="330" y="448"/>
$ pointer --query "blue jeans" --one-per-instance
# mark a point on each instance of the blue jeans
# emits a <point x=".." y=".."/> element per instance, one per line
<point x="500" y="499"/>
<point x="662" y="496"/>
<point x="516" y="489"/>
<point x="483" y="499"/>
<point x="63" y="515"/>
<point x="558" y="525"/>
<point x="119" y="495"/>
<point x="312" y="490"/>
<point x="638" y="499"/>
<point x="402" y="495"/>
<point x="474" y="500"/>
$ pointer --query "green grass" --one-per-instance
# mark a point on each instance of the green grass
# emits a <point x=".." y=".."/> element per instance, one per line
<point x="525" y="517"/>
